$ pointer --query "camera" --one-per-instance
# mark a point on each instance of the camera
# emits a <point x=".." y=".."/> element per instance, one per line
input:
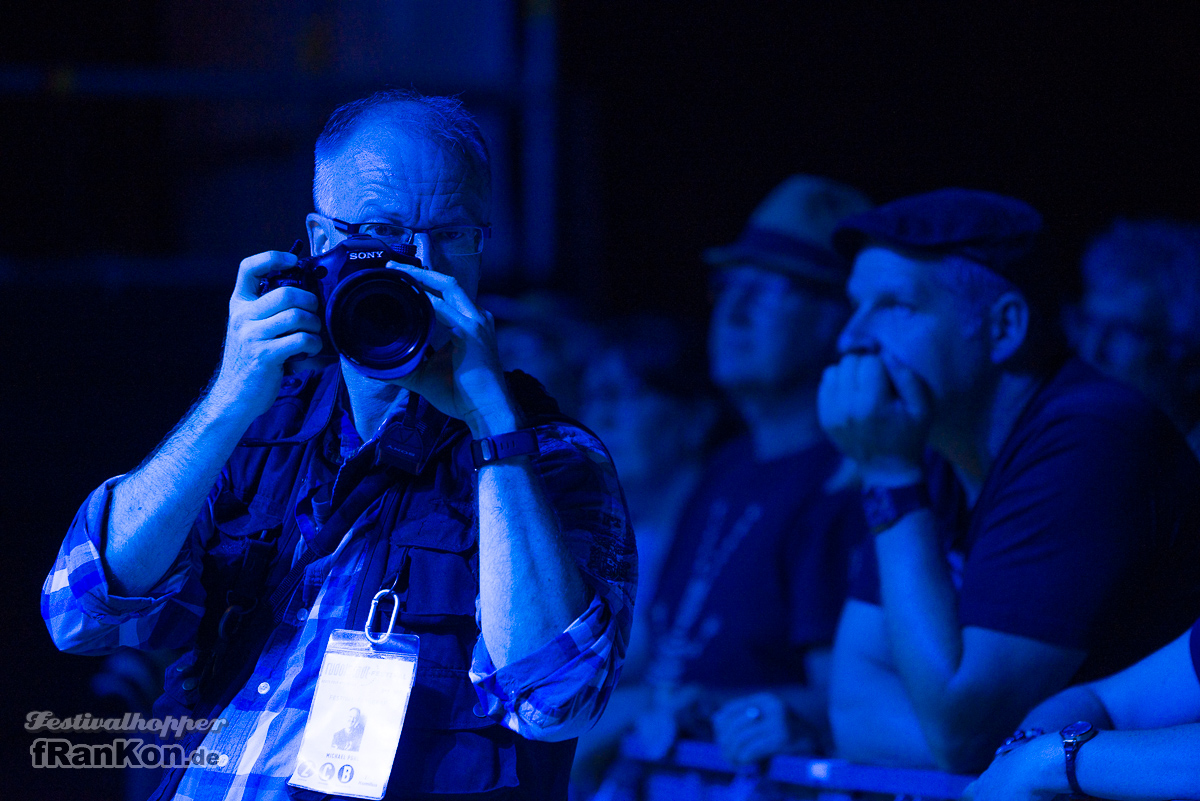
<point x="379" y="319"/>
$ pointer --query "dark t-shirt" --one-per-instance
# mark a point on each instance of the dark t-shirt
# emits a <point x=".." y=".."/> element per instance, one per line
<point x="1086" y="533"/>
<point x="758" y="570"/>
<point x="1194" y="641"/>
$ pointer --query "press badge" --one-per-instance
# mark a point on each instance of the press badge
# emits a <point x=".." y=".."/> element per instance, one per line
<point x="358" y="709"/>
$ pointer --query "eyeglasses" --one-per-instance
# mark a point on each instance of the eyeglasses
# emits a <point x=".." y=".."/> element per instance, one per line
<point x="450" y="240"/>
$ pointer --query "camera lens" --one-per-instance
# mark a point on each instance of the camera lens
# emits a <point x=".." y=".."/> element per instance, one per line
<point x="380" y="321"/>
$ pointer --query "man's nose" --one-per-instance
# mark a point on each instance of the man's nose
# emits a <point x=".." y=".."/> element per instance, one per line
<point x="424" y="250"/>
<point x="856" y="337"/>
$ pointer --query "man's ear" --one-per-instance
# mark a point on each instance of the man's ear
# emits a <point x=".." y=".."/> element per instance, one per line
<point x="320" y="237"/>
<point x="1009" y="320"/>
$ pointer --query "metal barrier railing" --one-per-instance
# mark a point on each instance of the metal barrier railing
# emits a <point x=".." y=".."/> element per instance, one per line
<point x="698" y="771"/>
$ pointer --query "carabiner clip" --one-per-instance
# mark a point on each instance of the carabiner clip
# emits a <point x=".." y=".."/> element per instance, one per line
<point x="386" y="591"/>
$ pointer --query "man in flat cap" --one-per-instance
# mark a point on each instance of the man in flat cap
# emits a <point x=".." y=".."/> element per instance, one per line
<point x="1034" y="523"/>
<point x="757" y="572"/>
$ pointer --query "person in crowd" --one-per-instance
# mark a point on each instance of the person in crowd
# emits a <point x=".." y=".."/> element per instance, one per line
<point x="749" y="594"/>
<point x="650" y="400"/>
<point x="1034" y="523"/>
<point x="1132" y="736"/>
<point x="648" y="397"/>
<point x="284" y="502"/>
<point x="1139" y="319"/>
<point x="546" y="335"/>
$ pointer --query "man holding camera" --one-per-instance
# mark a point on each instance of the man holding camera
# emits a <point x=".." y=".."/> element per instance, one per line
<point x="284" y="501"/>
<point x="1034" y="523"/>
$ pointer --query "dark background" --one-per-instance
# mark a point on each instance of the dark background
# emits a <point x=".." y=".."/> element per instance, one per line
<point x="145" y="147"/>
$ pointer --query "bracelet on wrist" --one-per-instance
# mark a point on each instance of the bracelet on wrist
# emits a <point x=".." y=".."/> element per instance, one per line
<point x="1019" y="737"/>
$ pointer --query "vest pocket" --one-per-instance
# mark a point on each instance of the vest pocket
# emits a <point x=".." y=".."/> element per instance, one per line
<point x="447" y="746"/>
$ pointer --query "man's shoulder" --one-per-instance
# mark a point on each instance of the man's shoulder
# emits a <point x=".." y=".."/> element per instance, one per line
<point x="1079" y="412"/>
<point x="1091" y="436"/>
<point x="531" y="395"/>
<point x="1078" y="393"/>
<point x="557" y="432"/>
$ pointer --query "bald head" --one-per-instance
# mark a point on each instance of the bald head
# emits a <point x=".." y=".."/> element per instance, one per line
<point x="440" y="124"/>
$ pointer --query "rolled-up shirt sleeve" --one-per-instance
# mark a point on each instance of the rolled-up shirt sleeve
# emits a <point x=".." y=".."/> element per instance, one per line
<point x="560" y="690"/>
<point x="85" y="617"/>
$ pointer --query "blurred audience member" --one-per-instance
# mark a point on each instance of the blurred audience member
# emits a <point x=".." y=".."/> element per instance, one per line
<point x="544" y="334"/>
<point x="1034" y="522"/>
<point x="1130" y="737"/>
<point x="1139" y="321"/>
<point x="748" y="599"/>
<point x="648" y="397"/>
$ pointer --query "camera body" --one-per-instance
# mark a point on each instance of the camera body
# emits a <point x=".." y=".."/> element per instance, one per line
<point x="377" y="318"/>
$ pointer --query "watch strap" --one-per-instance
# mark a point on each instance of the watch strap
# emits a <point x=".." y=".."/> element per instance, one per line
<point x="489" y="450"/>
<point x="885" y="506"/>
<point x="1072" y="742"/>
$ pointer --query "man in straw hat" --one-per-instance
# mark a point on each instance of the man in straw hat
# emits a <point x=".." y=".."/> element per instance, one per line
<point x="756" y="576"/>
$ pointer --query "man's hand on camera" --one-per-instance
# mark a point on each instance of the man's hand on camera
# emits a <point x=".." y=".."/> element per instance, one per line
<point x="877" y="411"/>
<point x="263" y="333"/>
<point x="463" y="378"/>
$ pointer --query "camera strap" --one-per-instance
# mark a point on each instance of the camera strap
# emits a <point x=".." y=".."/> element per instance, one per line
<point x="328" y="512"/>
<point x="323" y="532"/>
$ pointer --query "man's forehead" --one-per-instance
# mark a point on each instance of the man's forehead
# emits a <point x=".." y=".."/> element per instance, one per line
<point x="878" y="268"/>
<point x="383" y="155"/>
<point x="1123" y="299"/>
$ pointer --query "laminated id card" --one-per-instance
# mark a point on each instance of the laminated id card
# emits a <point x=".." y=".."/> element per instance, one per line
<point x="357" y="712"/>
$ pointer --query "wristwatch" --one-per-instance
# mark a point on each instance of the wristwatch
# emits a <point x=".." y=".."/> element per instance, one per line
<point x="1073" y="738"/>
<point x="490" y="450"/>
<point x="884" y="506"/>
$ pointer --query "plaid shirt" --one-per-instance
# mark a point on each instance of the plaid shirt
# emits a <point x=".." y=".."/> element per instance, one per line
<point x="555" y="693"/>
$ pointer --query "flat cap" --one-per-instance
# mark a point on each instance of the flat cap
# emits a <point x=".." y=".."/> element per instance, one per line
<point x="999" y="232"/>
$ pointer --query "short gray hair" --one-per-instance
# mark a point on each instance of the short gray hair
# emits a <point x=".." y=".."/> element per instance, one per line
<point x="441" y="120"/>
<point x="974" y="285"/>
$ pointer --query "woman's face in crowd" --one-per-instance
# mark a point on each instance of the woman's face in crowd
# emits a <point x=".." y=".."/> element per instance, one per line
<point x="644" y="430"/>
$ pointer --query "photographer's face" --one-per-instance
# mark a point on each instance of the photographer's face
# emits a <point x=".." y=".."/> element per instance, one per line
<point x="766" y="333"/>
<point x="386" y="175"/>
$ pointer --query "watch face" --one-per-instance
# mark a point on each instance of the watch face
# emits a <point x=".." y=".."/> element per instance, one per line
<point x="878" y="505"/>
<point x="1077" y="729"/>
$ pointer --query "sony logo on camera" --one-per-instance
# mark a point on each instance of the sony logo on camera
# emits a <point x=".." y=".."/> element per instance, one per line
<point x="366" y="254"/>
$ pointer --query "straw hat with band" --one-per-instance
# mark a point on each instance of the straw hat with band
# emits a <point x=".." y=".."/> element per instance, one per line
<point x="791" y="231"/>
